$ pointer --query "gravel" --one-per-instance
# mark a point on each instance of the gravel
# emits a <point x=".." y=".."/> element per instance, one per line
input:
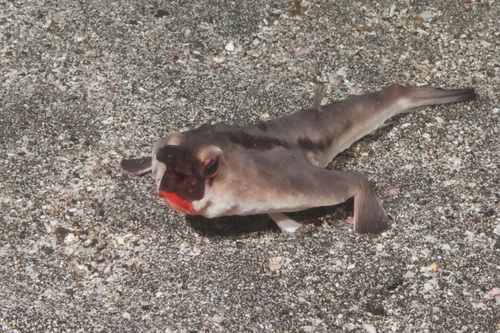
<point x="85" y="248"/>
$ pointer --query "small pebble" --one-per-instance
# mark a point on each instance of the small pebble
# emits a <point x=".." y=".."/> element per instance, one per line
<point x="427" y="15"/>
<point x="70" y="238"/>
<point x="409" y="275"/>
<point x="414" y="304"/>
<point x="449" y="182"/>
<point x="393" y="191"/>
<point x="350" y="327"/>
<point x="229" y="47"/>
<point x="219" y="60"/>
<point x="369" y="328"/>
<point x="496" y="230"/>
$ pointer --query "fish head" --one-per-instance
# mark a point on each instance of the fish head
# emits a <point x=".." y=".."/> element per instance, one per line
<point x="183" y="170"/>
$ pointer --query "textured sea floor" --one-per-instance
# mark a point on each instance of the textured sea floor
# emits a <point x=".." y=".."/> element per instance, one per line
<point x="86" y="248"/>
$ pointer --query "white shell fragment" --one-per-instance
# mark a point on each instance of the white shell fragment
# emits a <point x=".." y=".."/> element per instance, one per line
<point x="276" y="263"/>
<point x="230" y="47"/>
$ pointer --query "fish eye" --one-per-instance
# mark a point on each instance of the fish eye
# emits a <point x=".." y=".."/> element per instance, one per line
<point x="210" y="168"/>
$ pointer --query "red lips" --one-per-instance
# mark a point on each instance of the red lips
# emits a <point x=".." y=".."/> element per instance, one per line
<point x="172" y="200"/>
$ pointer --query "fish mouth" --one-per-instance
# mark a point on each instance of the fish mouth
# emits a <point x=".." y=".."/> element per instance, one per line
<point x="174" y="202"/>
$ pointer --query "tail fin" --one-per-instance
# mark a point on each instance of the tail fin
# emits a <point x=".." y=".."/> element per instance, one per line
<point x="425" y="96"/>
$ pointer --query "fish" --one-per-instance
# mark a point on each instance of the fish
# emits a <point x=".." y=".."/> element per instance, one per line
<point x="277" y="166"/>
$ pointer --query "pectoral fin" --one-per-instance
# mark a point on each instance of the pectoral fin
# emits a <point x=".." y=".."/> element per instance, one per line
<point x="137" y="166"/>
<point x="331" y="187"/>
<point x="304" y="186"/>
<point x="369" y="215"/>
<point x="288" y="183"/>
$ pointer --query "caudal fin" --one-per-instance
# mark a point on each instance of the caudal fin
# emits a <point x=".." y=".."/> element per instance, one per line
<point x="425" y="96"/>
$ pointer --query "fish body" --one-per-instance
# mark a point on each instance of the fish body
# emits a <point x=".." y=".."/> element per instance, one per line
<point x="277" y="166"/>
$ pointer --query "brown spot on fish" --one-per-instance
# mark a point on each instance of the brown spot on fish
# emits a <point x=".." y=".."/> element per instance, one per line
<point x="309" y="145"/>
<point x="256" y="142"/>
<point x="262" y="125"/>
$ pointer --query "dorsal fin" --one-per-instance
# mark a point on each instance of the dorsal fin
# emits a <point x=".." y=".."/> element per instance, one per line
<point x="319" y="93"/>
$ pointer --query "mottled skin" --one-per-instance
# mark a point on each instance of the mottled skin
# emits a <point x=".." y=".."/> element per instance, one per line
<point x="276" y="166"/>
